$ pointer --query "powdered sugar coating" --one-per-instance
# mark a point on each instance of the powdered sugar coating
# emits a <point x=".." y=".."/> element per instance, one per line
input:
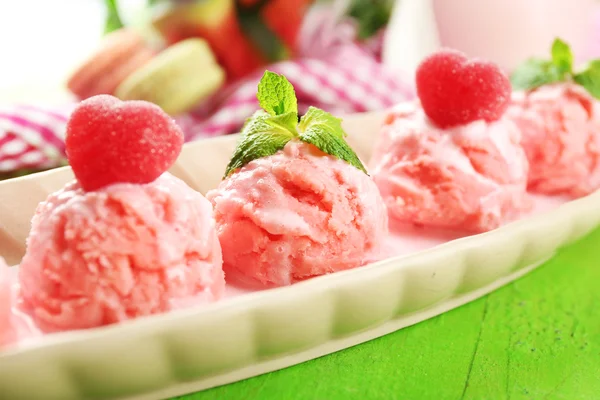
<point x="110" y="141"/>
<point x="455" y="91"/>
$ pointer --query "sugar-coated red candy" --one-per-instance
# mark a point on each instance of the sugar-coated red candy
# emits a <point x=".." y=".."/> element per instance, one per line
<point x="112" y="141"/>
<point x="455" y="90"/>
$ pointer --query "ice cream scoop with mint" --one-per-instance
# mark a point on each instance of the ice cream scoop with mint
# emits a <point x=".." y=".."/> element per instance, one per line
<point x="295" y="202"/>
<point x="557" y="110"/>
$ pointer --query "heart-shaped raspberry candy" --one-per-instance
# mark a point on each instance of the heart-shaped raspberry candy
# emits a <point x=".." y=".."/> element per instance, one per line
<point x="455" y="90"/>
<point x="112" y="141"/>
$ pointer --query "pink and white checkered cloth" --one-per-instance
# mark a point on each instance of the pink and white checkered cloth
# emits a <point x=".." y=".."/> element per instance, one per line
<point x="340" y="76"/>
<point x="31" y="137"/>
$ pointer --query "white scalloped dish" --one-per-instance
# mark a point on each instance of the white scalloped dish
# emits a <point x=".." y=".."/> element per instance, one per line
<point x="250" y="333"/>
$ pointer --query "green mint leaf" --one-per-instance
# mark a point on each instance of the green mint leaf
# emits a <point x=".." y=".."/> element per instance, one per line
<point x="562" y="56"/>
<point x="323" y="130"/>
<point x="534" y="73"/>
<point x="276" y="94"/>
<point x="268" y="131"/>
<point x="287" y="122"/>
<point x="590" y="78"/>
<point x="315" y="116"/>
<point x="262" y="135"/>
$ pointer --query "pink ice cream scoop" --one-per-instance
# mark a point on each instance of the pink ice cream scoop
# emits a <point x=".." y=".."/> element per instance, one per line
<point x="560" y="125"/>
<point x="123" y="251"/>
<point x="470" y="177"/>
<point x="14" y="325"/>
<point x="297" y="214"/>
<point x="8" y="330"/>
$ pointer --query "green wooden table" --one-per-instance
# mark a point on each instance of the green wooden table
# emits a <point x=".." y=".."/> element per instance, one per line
<point x="537" y="338"/>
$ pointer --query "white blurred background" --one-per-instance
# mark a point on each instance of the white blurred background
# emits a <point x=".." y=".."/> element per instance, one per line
<point x="41" y="41"/>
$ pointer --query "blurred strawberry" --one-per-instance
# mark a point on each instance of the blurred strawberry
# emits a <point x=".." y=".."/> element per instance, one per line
<point x="244" y="34"/>
<point x="217" y="22"/>
<point x="286" y="28"/>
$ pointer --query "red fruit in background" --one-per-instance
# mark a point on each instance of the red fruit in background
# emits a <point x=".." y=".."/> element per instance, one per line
<point x="112" y="141"/>
<point x="217" y="22"/>
<point x="455" y="90"/>
<point x="233" y="50"/>
<point x="288" y="27"/>
<point x="240" y="49"/>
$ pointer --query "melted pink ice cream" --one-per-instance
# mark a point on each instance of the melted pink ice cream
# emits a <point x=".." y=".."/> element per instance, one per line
<point x="9" y="332"/>
<point x="128" y="250"/>
<point x="14" y="325"/>
<point x="295" y="215"/>
<point x="560" y="125"/>
<point x="472" y="177"/>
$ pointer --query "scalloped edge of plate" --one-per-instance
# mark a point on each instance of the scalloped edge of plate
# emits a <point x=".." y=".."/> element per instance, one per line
<point x="332" y="346"/>
<point x="237" y="338"/>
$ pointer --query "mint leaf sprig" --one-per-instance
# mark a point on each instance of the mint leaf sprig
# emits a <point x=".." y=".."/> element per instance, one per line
<point x="536" y="72"/>
<point x="270" y="129"/>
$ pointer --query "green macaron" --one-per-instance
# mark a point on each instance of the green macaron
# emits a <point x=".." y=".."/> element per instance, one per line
<point x="177" y="79"/>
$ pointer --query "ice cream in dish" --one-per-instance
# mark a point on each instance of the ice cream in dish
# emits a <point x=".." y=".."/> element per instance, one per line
<point x="126" y="239"/>
<point x="295" y="202"/>
<point x="558" y="114"/>
<point x="452" y="160"/>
